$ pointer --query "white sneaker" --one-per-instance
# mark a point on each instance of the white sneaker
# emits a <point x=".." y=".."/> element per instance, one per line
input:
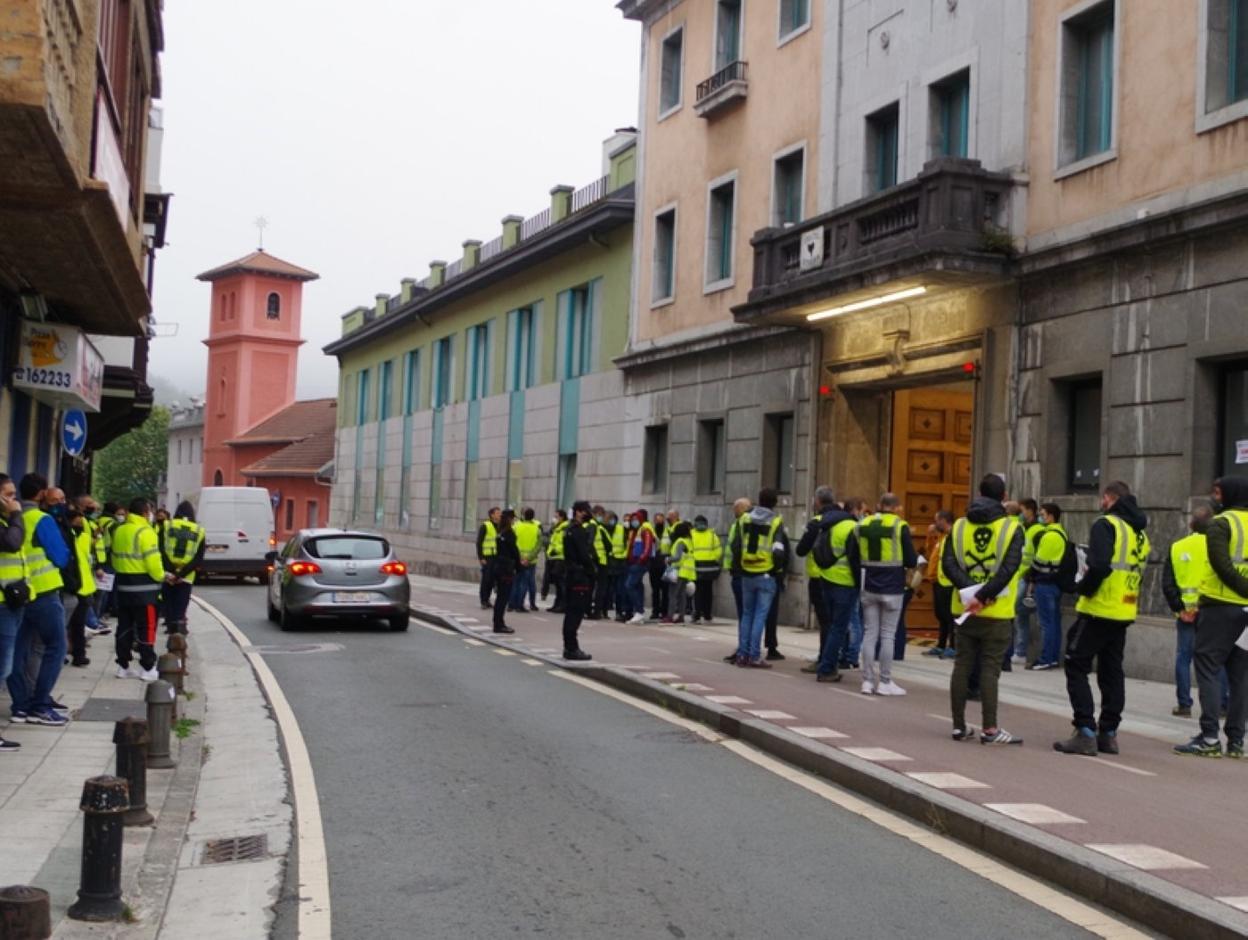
<point x="151" y="675"/>
<point x="637" y="618"/>
<point x="1019" y="660"/>
<point x="890" y="688"/>
<point x="868" y="688"/>
<point x="127" y="672"/>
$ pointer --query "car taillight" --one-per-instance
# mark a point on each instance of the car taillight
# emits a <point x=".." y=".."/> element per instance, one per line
<point x="394" y="567"/>
<point x="298" y="568"/>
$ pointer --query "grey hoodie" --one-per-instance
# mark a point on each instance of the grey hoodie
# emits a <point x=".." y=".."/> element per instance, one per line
<point x="761" y="518"/>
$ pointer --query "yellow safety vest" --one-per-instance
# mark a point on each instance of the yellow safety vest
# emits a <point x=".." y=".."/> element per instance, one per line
<point x="665" y="541"/>
<point x="979" y="551"/>
<point x="86" y="571"/>
<point x="756" y="542"/>
<point x="98" y="548"/>
<point x="839" y="536"/>
<point x="1212" y="586"/>
<point x="489" y="544"/>
<point x="1190" y="559"/>
<point x="555" y="551"/>
<point x="136" y="552"/>
<point x="1118" y="596"/>
<point x="707" y="550"/>
<point x="12" y="564"/>
<point x="688" y="568"/>
<point x="941" y="578"/>
<point x="1029" y="546"/>
<point x="528" y="535"/>
<point x="732" y="534"/>
<point x="1043" y="561"/>
<point x="619" y="542"/>
<point x="879" y="541"/>
<point x="179" y="541"/>
<point x="41" y="574"/>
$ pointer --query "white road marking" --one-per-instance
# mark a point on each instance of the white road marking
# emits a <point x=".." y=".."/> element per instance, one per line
<point x="1117" y="765"/>
<point x="771" y="714"/>
<point x="819" y="733"/>
<point x="695" y="687"/>
<point x="728" y="700"/>
<point x="661" y="675"/>
<point x="532" y="662"/>
<point x="1037" y="814"/>
<point x="1239" y="903"/>
<point x="1146" y="857"/>
<point x="1036" y="892"/>
<point x="878" y="754"/>
<point x="470" y="642"/>
<point x="313" y="892"/>
<point x="504" y="652"/>
<point x="947" y="781"/>
<point x="463" y="619"/>
<point x="437" y="629"/>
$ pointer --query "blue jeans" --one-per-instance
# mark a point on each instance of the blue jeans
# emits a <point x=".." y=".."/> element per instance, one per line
<point x="853" y="639"/>
<point x="757" y="593"/>
<point x="840" y="601"/>
<point x="524" y="585"/>
<point x="43" y="617"/>
<point x="10" y="626"/>
<point x="636" y="589"/>
<point x="1022" y="622"/>
<point x="1184" y="649"/>
<point x="1049" y="615"/>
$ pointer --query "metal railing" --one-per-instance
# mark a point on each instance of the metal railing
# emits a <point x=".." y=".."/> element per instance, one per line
<point x="538" y="223"/>
<point x="732" y="72"/>
<point x="492" y="248"/>
<point x="587" y="195"/>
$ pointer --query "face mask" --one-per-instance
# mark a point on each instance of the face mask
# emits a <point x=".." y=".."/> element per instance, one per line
<point x="57" y="511"/>
<point x="119" y="517"/>
<point x="701" y="526"/>
<point x="150" y="518"/>
<point x="635" y="524"/>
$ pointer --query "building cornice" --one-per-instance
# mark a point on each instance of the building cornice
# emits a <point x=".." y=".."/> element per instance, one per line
<point x="660" y="351"/>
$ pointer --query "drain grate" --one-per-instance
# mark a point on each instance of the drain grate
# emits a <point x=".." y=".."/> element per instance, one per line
<point x="236" y="849"/>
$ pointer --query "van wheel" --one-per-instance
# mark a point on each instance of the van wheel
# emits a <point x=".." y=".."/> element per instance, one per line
<point x="289" y="621"/>
<point x="263" y="577"/>
<point x="399" y="622"/>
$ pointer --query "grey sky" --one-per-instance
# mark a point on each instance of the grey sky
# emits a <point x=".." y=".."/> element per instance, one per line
<point x="374" y="136"/>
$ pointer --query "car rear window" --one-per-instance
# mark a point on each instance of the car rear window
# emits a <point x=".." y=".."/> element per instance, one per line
<point x="347" y="547"/>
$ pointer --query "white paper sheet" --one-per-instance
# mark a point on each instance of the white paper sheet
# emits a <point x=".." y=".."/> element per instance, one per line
<point x="967" y="594"/>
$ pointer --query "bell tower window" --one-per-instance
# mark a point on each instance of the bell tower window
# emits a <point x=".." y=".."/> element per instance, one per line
<point x="274" y="309"/>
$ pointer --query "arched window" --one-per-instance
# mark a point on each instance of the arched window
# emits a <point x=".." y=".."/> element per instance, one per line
<point x="218" y="479"/>
<point x="274" y="309"/>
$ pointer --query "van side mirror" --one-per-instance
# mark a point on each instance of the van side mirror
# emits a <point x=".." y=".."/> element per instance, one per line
<point x="271" y="558"/>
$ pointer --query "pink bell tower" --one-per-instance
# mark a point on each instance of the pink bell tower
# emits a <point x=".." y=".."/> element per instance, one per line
<point x="253" y="353"/>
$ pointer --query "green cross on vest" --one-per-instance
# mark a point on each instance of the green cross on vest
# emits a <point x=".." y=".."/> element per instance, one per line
<point x="182" y="538"/>
<point x="874" y="533"/>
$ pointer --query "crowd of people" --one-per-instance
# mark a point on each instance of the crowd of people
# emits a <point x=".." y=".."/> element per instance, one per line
<point x="69" y="567"/>
<point x="994" y="571"/>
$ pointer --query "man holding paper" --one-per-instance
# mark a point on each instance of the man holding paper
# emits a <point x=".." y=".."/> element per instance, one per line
<point x="1222" y="624"/>
<point x="982" y="557"/>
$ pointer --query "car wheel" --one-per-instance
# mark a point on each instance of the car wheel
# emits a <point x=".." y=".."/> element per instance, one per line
<point x="288" y="620"/>
<point x="399" y="622"/>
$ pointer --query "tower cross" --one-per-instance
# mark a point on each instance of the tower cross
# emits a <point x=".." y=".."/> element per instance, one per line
<point x="261" y="224"/>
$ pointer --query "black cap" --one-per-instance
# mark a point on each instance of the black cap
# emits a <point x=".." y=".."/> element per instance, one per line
<point x="582" y="505"/>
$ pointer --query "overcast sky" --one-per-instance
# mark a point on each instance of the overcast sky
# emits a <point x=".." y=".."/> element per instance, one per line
<point x="374" y="136"/>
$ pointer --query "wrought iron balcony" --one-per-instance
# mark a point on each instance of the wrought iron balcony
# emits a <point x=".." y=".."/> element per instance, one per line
<point x="949" y="223"/>
<point x="727" y="87"/>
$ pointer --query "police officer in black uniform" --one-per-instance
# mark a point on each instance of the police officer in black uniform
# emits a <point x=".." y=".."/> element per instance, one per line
<point x="580" y="572"/>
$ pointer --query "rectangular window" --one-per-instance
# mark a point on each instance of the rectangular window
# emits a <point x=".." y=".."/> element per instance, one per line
<point x="521" y="349"/>
<point x="664" y="286"/>
<point x="794" y="14"/>
<point x="1084" y="404"/>
<point x="1087" y="72"/>
<point x="290" y="515"/>
<point x="787" y="189"/>
<point x="654" y="472"/>
<point x="566" y="484"/>
<point x="671" y="71"/>
<point x="1226" y="53"/>
<point x="727" y="33"/>
<point x="477" y="351"/>
<point x="411" y="382"/>
<point x="951" y="107"/>
<point x="720" y="225"/>
<point x="778" y="452"/>
<point x="711" y="453"/>
<point x="443" y="364"/>
<point x="385" y="390"/>
<point x="577" y="319"/>
<point x="882" y="148"/>
<point x="314" y="514"/>
<point x="362" y="398"/>
<point x="1234" y="419"/>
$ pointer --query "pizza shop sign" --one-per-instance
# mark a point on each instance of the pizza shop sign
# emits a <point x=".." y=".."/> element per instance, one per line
<point x="58" y="365"/>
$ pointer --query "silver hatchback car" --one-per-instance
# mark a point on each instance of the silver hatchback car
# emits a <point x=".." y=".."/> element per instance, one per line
<point x="337" y="573"/>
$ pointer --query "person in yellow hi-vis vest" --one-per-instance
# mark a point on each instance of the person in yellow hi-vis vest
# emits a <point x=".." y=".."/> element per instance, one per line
<point x="13" y="586"/>
<point x="140" y="575"/>
<point x="487" y="548"/>
<point x="1222" y="624"/>
<point x="985" y="547"/>
<point x="553" y="572"/>
<point x="528" y="532"/>
<point x="1109" y="596"/>
<point x="182" y="548"/>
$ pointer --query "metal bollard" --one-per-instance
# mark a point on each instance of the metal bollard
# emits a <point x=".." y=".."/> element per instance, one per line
<point x="130" y="736"/>
<point x="178" y="646"/>
<point x="25" y="913"/>
<point x="104" y="801"/>
<point x="161" y="697"/>
<point x="170" y="668"/>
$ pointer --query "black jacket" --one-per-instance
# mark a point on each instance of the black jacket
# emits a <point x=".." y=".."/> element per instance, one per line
<point x="1101" y="543"/>
<point x="580" y="559"/>
<point x="508" y="558"/>
<point x="983" y="511"/>
<point x="1234" y="496"/>
<point x="820" y="527"/>
<point x="13" y="534"/>
<point x="1170" y="587"/>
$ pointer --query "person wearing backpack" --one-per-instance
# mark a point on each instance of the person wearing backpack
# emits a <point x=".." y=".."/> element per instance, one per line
<point x="1053" y="555"/>
<point x="760" y="550"/>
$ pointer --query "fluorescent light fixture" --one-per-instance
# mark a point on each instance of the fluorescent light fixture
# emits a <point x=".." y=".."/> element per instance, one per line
<point x="868" y="303"/>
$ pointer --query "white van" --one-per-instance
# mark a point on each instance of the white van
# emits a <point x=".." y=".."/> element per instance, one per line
<point x="238" y="527"/>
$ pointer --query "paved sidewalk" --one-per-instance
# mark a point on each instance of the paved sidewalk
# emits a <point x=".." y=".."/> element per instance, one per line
<point x="1147" y="810"/>
<point x="229" y="781"/>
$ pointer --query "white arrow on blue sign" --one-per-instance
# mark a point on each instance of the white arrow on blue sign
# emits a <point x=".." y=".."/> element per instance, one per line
<point x="74" y="432"/>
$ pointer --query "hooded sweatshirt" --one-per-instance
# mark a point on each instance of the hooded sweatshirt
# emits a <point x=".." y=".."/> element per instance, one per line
<point x="1234" y="496"/>
<point x="1101" y="542"/>
<point x="780" y="548"/>
<point x="819" y="527"/>
<point x="984" y="511"/>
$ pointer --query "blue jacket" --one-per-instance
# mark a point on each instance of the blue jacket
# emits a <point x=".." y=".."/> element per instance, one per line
<point x="49" y="538"/>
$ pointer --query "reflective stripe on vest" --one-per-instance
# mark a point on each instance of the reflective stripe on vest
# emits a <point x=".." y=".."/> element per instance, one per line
<point x="12" y="564"/>
<point x="879" y="541"/>
<point x="619" y="542"/>
<point x="707" y="550"/>
<point x="180" y="541"/>
<point x="557" y="534"/>
<point x="979" y="550"/>
<point x="1029" y="547"/>
<point x="1038" y="565"/>
<point x="839" y="536"/>
<point x="1212" y="586"/>
<point x="1189" y="557"/>
<point x="688" y="568"/>
<point x="489" y="544"/>
<point x="131" y="558"/>
<point x="40" y="571"/>
<point x="1118" y="596"/>
<point x="82" y="552"/>
<point x="942" y="578"/>
<point x="756" y="542"/>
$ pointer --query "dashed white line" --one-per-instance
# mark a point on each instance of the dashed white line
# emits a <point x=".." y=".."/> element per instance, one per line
<point x="661" y="675"/>
<point x="728" y="700"/>
<point x="1145" y="857"/>
<point x="819" y="733"/>
<point x="471" y="642"/>
<point x="1037" y="814"/>
<point x="1237" y="903"/>
<point x="532" y="662"/>
<point x="771" y="714"/>
<point x="695" y="687"/>
<point x="501" y="652"/>
<point x="1117" y="765"/>
<point x="948" y="781"/>
<point x="877" y="754"/>
<point x="437" y="629"/>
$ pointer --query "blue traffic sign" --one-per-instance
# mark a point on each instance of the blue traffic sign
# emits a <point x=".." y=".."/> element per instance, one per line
<point x="74" y="432"/>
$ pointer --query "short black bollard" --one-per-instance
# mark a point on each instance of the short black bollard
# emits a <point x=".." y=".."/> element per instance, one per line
<point x="178" y="646"/>
<point x="104" y="801"/>
<point x="25" y="913"/>
<point x="130" y="736"/>
<point x="170" y="668"/>
<point x="160" y="701"/>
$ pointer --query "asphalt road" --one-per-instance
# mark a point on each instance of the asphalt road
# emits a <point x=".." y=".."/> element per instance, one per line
<point x="466" y="794"/>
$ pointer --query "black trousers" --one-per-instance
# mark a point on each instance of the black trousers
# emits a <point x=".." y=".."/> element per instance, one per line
<point x="503" y="582"/>
<point x="553" y="576"/>
<point x="136" y="627"/>
<point x="942" y="601"/>
<point x="77" y="627"/>
<point x="177" y="601"/>
<point x="604" y="592"/>
<point x="487" y="582"/>
<point x="703" y="598"/>
<point x="658" y="589"/>
<point x="576" y="604"/>
<point x="815" y="595"/>
<point x="773" y="618"/>
<point x="1217" y="629"/>
<point x="1095" y="638"/>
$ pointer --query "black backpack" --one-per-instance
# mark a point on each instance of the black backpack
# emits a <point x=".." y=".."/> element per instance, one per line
<point x="824" y="556"/>
<point x="1067" y="575"/>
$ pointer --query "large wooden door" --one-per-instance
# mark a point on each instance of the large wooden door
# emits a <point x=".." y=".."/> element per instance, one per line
<point x="931" y="469"/>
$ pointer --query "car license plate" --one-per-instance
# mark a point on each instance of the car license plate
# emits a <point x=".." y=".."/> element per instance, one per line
<point x="217" y="548"/>
<point x="352" y="597"/>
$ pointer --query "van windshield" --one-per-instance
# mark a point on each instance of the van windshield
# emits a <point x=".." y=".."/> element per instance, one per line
<point x="347" y="548"/>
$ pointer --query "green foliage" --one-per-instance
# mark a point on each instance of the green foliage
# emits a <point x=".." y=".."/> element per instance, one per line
<point x="132" y="465"/>
<point x="183" y="727"/>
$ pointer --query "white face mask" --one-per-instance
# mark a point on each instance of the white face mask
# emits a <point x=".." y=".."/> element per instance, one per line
<point x="150" y="518"/>
<point x="119" y="517"/>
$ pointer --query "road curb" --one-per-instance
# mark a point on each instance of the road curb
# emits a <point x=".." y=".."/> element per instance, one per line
<point x="1135" y="894"/>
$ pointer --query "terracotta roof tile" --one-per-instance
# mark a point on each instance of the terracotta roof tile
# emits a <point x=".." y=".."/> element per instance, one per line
<point x="293" y="423"/>
<point x="260" y="262"/>
<point x="302" y="458"/>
